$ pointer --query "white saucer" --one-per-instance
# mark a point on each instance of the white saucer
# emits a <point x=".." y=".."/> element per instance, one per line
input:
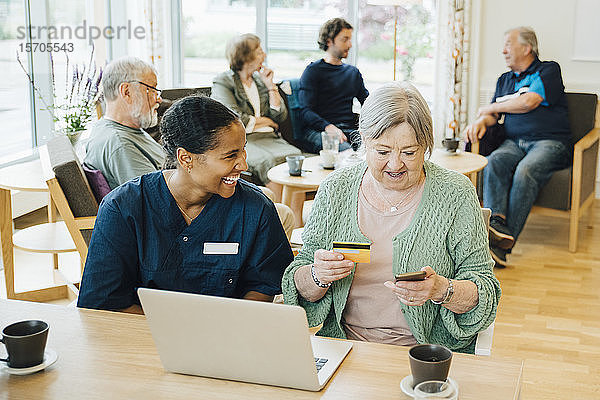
<point x="50" y="358"/>
<point x="327" y="168"/>
<point x="407" y="385"/>
<point x="452" y="153"/>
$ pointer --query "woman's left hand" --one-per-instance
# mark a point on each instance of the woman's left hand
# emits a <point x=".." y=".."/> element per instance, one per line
<point x="266" y="74"/>
<point x="416" y="293"/>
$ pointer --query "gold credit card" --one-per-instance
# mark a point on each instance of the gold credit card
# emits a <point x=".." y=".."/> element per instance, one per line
<point x="357" y="252"/>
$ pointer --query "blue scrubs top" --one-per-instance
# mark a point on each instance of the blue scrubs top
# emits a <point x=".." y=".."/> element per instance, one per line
<point x="141" y="239"/>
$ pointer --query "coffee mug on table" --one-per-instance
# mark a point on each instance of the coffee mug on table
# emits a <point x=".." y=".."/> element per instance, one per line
<point x="451" y="144"/>
<point x="429" y="362"/>
<point x="328" y="158"/>
<point x="25" y="342"/>
<point x="295" y="165"/>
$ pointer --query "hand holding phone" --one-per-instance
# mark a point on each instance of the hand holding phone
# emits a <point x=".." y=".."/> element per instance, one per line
<point x="411" y="276"/>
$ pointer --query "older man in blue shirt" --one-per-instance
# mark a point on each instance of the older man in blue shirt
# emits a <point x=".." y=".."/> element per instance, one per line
<point x="532" y="99"/>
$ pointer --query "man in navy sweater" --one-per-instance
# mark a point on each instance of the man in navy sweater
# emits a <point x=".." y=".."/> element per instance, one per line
<point x="532" y="99"/>
<point x="327" y="90"/>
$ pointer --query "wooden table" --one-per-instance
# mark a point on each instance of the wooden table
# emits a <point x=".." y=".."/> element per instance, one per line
<point x="465" y="162"/>
<point x="294" y="187"/>
<point x="52" y="237"/>
<point x="105" y="355"/>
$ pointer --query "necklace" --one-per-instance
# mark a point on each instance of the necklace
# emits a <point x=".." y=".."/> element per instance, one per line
<point x="394" y="208"/>
<point x="176" y="203"/>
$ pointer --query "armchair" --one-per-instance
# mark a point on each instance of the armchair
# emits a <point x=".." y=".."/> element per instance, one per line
<point x="570" y="191"/>
<point x="290" y="127"/>
<point x="70" y="191"/>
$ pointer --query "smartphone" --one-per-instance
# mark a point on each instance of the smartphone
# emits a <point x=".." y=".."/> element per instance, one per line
<point x="411" y="276"/>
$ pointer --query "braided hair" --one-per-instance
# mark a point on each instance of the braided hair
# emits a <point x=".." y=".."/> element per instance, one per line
<point x="193" y="123"/>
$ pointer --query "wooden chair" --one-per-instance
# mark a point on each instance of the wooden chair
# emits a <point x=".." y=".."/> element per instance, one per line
<point x="571" y="191"/>
<point x="70" y="191"/>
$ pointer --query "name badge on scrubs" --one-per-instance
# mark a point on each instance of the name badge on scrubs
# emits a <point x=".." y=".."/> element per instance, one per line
<point x="221" y="248"/>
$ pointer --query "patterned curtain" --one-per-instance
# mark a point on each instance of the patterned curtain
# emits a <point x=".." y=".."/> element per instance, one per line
<point x="154" y="23"/>
<point x="455" y="38"/>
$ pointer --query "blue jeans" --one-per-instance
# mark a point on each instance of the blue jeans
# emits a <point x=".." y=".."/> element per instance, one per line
<point x="311" y="142"/>
<point x="516" y="172"/>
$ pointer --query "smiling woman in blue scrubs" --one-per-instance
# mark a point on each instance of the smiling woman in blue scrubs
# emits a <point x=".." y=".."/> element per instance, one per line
<point x="196" y="228"/>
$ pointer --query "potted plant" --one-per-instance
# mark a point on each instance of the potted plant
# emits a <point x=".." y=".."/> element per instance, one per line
<point x="74" y="109"/>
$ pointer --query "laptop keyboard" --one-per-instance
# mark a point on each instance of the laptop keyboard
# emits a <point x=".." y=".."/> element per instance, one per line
<point x="320" y="362"/>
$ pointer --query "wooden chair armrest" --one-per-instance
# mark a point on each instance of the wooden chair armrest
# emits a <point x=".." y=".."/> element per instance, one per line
<point x="85" y="222"/>
<point x="587" y="141"/>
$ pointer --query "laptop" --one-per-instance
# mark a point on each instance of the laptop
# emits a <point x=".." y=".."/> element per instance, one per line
<point x="239" y="340"/>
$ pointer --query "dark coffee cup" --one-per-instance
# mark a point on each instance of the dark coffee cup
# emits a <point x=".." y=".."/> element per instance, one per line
<point x="25" y="342"/>
<point x="295" y="165"/>
<point x="451" y="144"/>
<point x="429" y="362"/>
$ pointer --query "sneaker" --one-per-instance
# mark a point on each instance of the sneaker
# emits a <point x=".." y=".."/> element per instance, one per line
<point x="499" y="234"/>
<point x="499" y="256"/>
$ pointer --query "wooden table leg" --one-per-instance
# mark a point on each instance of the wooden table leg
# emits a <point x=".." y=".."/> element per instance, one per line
<point x="286" y="195"/>
<point x="298" y="206"/>
<point x="293" y="197"/>
<point x="6" y="236"/>
<point x="473" y="178"/>
<point x="52" y="217"/>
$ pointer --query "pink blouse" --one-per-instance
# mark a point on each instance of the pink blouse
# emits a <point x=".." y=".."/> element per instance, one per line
<point x="372" y="311"/>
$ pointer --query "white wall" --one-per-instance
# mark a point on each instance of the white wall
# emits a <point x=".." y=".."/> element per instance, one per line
<point x="553" y="21"/>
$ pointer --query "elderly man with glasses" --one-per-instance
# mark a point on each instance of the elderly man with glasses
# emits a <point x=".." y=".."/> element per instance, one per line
<point x="119" y="147"/>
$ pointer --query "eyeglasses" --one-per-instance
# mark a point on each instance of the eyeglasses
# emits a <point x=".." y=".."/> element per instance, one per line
<point x="158" y="91"/>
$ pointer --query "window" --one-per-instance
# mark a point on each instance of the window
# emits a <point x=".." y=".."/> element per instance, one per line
<point x="415" y="45"/>
<point x="207" y="26"/>
<point x="15" y="108"/>
<point x="292" y="28"/>
<point x="19" y="97"/>
<point x="292" y="33"/>
<point x="69" y="18"/>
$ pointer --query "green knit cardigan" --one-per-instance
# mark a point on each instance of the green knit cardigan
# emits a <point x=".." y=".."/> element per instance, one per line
<point x="447" y="233"/>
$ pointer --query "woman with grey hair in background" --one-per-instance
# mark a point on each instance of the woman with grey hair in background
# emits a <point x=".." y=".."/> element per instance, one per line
<point x="416" y="216"/>
<point x="248" y="89"/>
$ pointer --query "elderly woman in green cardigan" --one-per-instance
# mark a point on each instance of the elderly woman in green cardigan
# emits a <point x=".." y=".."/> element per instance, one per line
<point x="416" y="216"/>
